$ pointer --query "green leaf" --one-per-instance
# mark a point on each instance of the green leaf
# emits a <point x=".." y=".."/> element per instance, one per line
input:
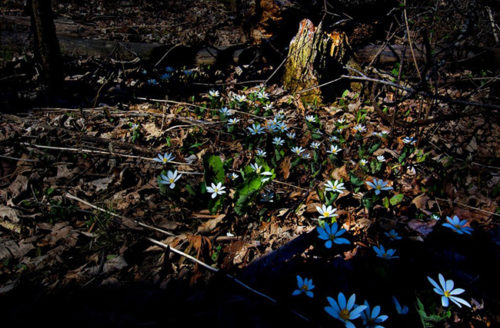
<point x="214" y="169"/>
<point x="190" y="190"/>
<point x="246" y="193"/>
<point x="373" y="148"/>
<point x="355" y="180"/>
<point x="396" y="199"/>
<point x="430" y="320"/>
<point x="385" y="201"/>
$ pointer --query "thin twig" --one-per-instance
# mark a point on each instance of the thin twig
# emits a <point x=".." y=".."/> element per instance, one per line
<point x="68" y="195"/>
<point x="468" y="206"/>
<point x="166" y="53"/>
<point x="411" y="43"/>
<point x="19" y="159"/>
<point x="91" y="151"/>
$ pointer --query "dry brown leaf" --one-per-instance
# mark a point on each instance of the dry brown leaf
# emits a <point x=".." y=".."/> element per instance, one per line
<point x="210" y="224"/>
<point x="421" y="203"/>
<point x="285" y="167"/>
<point x="152" y="131"/>
<point x="340" y="173"/>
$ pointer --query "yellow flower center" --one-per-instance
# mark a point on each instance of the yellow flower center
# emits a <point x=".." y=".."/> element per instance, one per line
<point x="326" y="214"/>
<point x="164" y="159"/>
<point x="446" y="293"/>
<point x="304" y="287"/>
<point x="458" y="226"/>
<point x="379" y="187"/>
<point x="171" y="180"/>
<point x="344" y="314"/>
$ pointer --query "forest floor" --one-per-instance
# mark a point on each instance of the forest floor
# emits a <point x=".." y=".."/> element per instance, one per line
<point x="93" y="218"/>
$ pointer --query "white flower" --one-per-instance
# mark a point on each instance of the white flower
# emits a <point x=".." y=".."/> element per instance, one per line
<point x="341" y="120"/>
<point x="233" y="121"/>
<point x="233" y="176"/>
<point x="359" y="128"/>
<point x="213" y="93"/>
<point x="297" y="150"/>
<point x="291" y="135"/>
<point x="216" y="189"/>
<point x="363" y="162"/>
<point x="315" y="145"/>
<point x="225" y="111"/>
<point x="260" y="153"/>
<point x="333" y="138"/>
<point x="334" y="187"/>
<point x="306" y="156"/>
<point x="262" y="95"/>
<point x="326" y="212"/>
<point x="256" y="167"/>
<point x="240" y="98"/>
<point x="381" y="158"/>
<point x="268" y="107"/>
<point x="170" y="178"/>
<point x="334" y="150"/>
<point x="310" y="118"/>
<point x="277" y="141"/>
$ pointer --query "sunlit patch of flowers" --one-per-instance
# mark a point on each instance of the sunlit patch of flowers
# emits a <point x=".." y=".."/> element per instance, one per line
<point x="409" y="140"/>
<point x="336" y="186"/>
<point x="304" y="286"/>
<point x="216" y="189"/>
<point x="378" y="185"/>
<point x="372" y="318"/>
<point x="334" y="150"/>
<point x="297" y="150"/>
<point x="343" y="310"/>
<point x="382" y="253"/>
<point x="256" y="129"/>
<point x="165" y="158"/>
<point x="400" y="309"/>
<point x="170" y="179"/>
<point x="331" y="234"/>
<point x="326" y="212"/>
<point x="393" y="235"/>
<point x="457" y="225"/>
<point x="359" y="128"/>
<point x="445" y="289"/>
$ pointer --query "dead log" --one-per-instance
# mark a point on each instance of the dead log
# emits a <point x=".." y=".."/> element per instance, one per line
<point x="46" y="45"/>
<point x="314" y="57"/>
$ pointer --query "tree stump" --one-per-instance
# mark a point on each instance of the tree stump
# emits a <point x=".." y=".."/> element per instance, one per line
<point x="314" y="57"/>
